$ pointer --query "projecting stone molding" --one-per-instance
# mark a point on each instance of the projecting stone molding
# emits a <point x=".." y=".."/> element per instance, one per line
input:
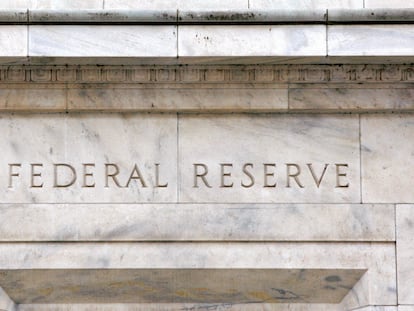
<point x="261" y="88"/>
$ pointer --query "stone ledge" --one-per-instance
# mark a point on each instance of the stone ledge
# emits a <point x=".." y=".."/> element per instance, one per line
<point x="200" y="17"/>
<point x="376" y="287"/>
<point x="197" y="222"/>
<point x="232" y="286"/>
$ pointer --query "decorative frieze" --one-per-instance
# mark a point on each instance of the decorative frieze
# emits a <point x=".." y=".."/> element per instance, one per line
<point x="209" y="74"/>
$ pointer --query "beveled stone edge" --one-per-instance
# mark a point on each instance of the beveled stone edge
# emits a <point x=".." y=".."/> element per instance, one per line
<point x="197" y="17"/>
<point x="196" y="74"/>
<point x="177" y="306"/>
<point x="6" y="304"/>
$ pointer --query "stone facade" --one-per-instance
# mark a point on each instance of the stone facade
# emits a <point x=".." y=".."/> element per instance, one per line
<point x="206" y="155"/>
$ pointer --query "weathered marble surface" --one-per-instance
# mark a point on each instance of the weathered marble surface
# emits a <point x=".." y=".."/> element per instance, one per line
<point x="237" y="286"/>
<point x="51" y="4"/>
<point x="370" y="40"/>
<point x="152" y="44"/>
<point x="197" y="222"/>
<point x="284" y="40"/>
<point x="206" y="4"/>
<point x="387" y="158"/>
<point x="99" y="139"/>
<point x="6" y="303"/>
<point x="358" y="296"/>
<point x="235" y="140"/>
<point x="185" y="99"/>
<point x="109" y="41"/>
<point x="305" y="4"/>
<point x="405" y="253"/>
<point x="182" y="307"/>
<point x="406" y="308"/>
<point x="377" y="258"/>
<point x="174" y="4"/>
<point x="29" y="99"/>
<point x="13" y="41"/>
<point x="351" y="99"/>
<point x="392" y="4"/>
<point x="379" y="308"/>
<point x="66" y="4"/>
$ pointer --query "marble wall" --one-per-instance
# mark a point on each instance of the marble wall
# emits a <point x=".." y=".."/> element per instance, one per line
<point x="206" y="188"/>
<point x="209" y="155"/>
<point x="227" y="191"/>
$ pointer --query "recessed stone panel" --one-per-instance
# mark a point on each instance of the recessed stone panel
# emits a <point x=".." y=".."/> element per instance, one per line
<point x="269" y="158"/>
<point x="58" y="158"/>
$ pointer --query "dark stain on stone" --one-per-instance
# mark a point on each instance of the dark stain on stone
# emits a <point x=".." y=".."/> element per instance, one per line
<point x="333" y="278"/>
<point x="284" y="294"/>
<point x="329" y="287"/>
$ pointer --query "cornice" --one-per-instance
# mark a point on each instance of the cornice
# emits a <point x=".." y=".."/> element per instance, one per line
<point x="197" y="17"/>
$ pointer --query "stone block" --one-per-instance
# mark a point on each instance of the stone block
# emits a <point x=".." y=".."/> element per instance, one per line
<point x="376" y="16"/>
<point x="32" y="99"/>
<point x="88" y="158"/>
<point x="234" y="17"/>
<point x="350" y="99"/>
<point x="197" y="222"/>
<point x="176" y="4"/>
<point x="253" y="158"/>
<point x="15" y="16"/>
<point x="391" y="4"/>
<point x="113" y="17"/>
<point x="386" y="154"/>
<point x="66" y="4"/>
<point x="102" y="41"/>
<point x="13" y="41"/>
<point x="51" y="4"/>
<point x="305" y="4"/>
<point x="405" y="254"/>
<point x="15" y="4"/>
<point x="233" y="41"/>
<point x="182" y="99"/>
<point x="370" y="40"/>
